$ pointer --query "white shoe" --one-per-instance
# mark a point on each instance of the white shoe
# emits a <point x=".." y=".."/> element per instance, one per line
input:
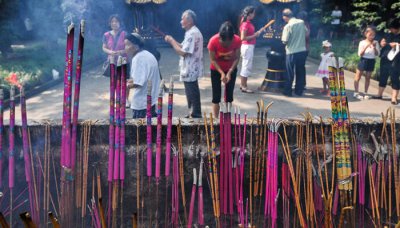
<point x="367" y="97"/>
<point x="358" y="96"/>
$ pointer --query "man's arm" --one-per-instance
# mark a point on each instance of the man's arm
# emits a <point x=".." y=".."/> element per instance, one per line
<point x="177" y="46"/>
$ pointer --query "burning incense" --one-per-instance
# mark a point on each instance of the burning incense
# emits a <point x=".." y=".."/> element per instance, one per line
<point x="200" y="200"/>
<point x="192" y="199"/>
<point x="159" y="130"/>
<point x="169" y="127"/>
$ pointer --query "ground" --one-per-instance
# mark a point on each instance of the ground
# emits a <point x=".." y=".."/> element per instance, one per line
<point x="94" y="98"/>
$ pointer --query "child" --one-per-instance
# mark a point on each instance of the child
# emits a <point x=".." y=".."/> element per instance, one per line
<point x="385" y="66"/>
<point x="368" y="50"/>
<point x="323" y="66"/>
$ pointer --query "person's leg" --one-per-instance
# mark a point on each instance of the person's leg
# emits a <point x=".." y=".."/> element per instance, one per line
<point x="325" y="83"/>
<point x="247" y="53"/>
<point x="367" y="81"/>
<point x="193" y="95"/>
<point x="384" y="73"/>
<point x="216" y="91"/>
<point x="231" y="87"/>
<point x="300" y="66"/>
<point x="394" y="75"/>
<point x="357" y="78"/>
<point x="289" y="75"/>
<point x="188" y="93"/>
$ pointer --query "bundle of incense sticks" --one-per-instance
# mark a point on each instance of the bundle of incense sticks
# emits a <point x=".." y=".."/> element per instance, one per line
<point x="149" y="134"/>
<point x="159" y="130"/>
<point x="27" y="158"/>
<point x="192" y="199"/>
<point x="124" y="76"/>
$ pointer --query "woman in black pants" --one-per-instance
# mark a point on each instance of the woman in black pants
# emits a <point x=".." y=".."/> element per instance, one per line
<point x="224" y="49"/>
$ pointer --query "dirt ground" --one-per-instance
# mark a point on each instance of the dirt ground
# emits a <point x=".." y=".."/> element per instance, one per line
<point x="94" y="99"/>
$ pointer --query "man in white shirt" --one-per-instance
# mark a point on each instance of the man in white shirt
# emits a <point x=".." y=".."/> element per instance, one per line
<point x="191" y="61"/>
<point x="144" y="69"/>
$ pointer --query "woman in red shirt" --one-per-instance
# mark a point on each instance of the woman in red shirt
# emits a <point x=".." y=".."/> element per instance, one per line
<point x="224" y="49"/>
<point x="248" y="37"/>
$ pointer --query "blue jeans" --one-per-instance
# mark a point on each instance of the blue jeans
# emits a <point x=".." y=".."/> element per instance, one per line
<point x="295" y="63"/>
<point x="193" y="98"/>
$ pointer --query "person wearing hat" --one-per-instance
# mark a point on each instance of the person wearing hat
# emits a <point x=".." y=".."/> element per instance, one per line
<point x="323" y="71"/>
<point x="294" y="38"/>
<point x="144" y="68"/>
<point x="191" y="61"/>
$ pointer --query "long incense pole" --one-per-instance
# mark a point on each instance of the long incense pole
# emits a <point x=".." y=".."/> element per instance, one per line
<point x="149" y="135"/>
<point x="1" y="136"/>
<point x="181" y="171"/>
<point x="78" y="74"/>
<point x="11" y="151"/>
<point x="169" y="128"/>
<point x="192" y="199"/>
<point x="159" y="130"/>
<point x="111" y="138"/>
<point x="27" y="159"/>
<point x="215" y="170"/>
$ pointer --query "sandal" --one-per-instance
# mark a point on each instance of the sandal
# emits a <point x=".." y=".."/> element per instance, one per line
<point x="395" y="102"/>
<point x="246" y="90"/>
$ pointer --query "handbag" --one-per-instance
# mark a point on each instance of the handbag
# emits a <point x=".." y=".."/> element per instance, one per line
<point x="106" y="68"/>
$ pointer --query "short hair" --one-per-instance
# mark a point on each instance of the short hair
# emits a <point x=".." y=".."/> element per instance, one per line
<point x="394" y="24"/>
<point x="370" y="28"/>
<point x="287" y="13"/>
<point x="135" y="39"/>
<point x="191" y="14"/>
<point x="226" y="31"/>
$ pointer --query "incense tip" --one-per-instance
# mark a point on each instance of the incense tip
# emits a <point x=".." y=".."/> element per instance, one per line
<point x="161" y="89"/>
<point x="83" y="22"/>
<point x="194" y="176"/>
<point x="119" y="61"/>
<point x="70" y="27"/>
<point x="124" y="60"/>
<point x="12" y="92"/>
<point x="149" y="88"/>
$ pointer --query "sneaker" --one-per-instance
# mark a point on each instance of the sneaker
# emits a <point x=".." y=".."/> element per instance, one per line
<point x="358" y="96"/>
<point x="367" y="97"/>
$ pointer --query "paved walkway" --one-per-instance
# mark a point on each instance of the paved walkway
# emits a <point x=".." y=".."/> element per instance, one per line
<point x="94" y="102"/>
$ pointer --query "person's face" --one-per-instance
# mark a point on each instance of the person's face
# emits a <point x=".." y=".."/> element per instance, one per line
<point x="185" y="22"/>
<point x="115" y="25"/>
<point x="383" y="42"/>
<point x="285" y="18"/>
<point x="129" y="47"/>
<point x="370" y="35"/>
<point x="252" y="15"/>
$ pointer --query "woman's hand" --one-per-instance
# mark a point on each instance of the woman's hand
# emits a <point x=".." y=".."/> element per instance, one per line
<point x="228" y="77"/>
<point x="223" y="78"/>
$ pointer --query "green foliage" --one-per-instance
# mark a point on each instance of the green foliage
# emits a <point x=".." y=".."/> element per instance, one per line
<point x="367" y="12"/>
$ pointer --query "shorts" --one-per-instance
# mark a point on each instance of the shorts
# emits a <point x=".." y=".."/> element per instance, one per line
<point x="136" y="114"/>
<point x="247" y="53"/>
<point x="366" y="64"/>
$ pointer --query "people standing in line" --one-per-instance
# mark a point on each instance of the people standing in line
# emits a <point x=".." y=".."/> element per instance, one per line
<point x="323" y="71"/>
<point x="113" y="43"/>
<point x="368" y="50"/>
<point x="335" y="23"/>
<point x="144" y="68"/>
<point x="294" y="38"/>
<point x="394" y="42"/>
<point x="191" y="61"/>
<point x="248" y="37"/>
<point x="224" y="50"/>
<point x="384" y="68"/>
<point x="302" y="15"/>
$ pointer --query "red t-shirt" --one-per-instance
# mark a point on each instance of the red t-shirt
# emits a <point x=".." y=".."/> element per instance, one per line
<point x="249" y="28"/>
<point x="225" y="56"/>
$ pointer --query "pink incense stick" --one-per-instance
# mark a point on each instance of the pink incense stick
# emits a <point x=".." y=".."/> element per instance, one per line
<point x="149" y="136"/>
<point x="159" y="130"/>
<point x="169" y="128"/>
<point x="229" y="160"/>
<point x="75" y="113"/>
<point x="122" y="120"/>
<point x="200" y="200"/>
<point x="221" y="159"/>
<point x="1" y="136"/>
<point x="11" y="151"/>
<point x="117" y="120"/>
<point x="192" y="198"/>
<point x="175" y="190"/>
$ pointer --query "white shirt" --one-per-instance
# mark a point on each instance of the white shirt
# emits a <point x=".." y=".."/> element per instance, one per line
<point x="191" y="66"/>
<point x="336" y="14"/>
<point x="369" y="52"/>
<point x="144" y="67"/>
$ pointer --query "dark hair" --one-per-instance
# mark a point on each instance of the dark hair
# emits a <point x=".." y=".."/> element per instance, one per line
<point x="247" y="11"/>
<point x="116" y="16"/>
<point x="394" y="23"/>
<point x="226" y="31"/>
<point x="370" y="28"/>
<point x="303" y="15"/>
<point x="135" y="39"/>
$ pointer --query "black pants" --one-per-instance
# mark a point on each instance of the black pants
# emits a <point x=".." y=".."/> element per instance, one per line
<point x="295" y="65"/>
<point x="216" y="87"/>
<point x="193" y="98"/>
